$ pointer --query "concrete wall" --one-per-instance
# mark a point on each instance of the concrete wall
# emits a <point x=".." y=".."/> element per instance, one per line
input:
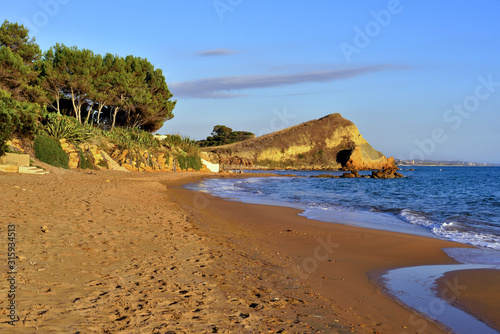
<point x="15" y="159"/>
<point x="215" y="168"/>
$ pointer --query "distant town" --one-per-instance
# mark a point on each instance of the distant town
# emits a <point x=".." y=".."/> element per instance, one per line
<point x="440" y="163"/>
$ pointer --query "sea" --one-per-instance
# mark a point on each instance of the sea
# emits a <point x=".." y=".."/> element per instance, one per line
<point x="459" y="204"/>
<point x="452" y="203"/>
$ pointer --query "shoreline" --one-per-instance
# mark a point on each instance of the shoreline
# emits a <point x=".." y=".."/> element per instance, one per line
<point x="475" y="299"/>
<point x="122" y="251"/>
<point x="372" y="273"/>
<point x="251" y="169"/>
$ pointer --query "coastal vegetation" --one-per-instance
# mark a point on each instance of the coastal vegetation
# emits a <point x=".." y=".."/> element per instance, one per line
<point x="223" y="135"/>
<point x="108" y="90"/>
<point x="49" y="150"/>
<point x="67" y="94"/>
<point x="97" y="105"/>
<point x="16" y="117"/>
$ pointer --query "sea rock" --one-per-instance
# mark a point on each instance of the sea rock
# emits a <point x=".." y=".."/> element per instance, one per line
<point x="388" y="173"/>
<point x="365" y="158"/>
<point x="326" y="176"/>
<point x="352" y="174"/>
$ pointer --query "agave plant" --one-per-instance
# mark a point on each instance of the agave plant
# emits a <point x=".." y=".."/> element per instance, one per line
<point x="132" y="139"/>
<point x="62" y="127"/>
<point x="185" y="143"/>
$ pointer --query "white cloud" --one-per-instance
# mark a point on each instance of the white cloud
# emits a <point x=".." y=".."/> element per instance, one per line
<point x="216" y="52"/>
<point x="222" y="87"/>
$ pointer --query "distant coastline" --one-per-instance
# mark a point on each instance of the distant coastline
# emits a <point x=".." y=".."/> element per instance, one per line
<point x="434" y="163"/>
<point x="399" y="163"/>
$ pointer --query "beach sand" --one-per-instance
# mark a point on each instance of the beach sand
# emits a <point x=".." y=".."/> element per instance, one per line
<point x="479" y="293"/>
<point x="114" y="252"/>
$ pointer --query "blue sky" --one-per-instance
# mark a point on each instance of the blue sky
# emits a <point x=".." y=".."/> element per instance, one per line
<point x="420" y="79"/>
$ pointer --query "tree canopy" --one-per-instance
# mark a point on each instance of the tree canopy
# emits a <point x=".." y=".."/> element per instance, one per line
<point x="18" y="56"/>
<point x="16" y="38"/>
<point x="108" y="90"/>
<point x="223" y="135"/>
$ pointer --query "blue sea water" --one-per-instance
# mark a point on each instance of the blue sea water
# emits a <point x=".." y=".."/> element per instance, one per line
<point x="453" y="203"/>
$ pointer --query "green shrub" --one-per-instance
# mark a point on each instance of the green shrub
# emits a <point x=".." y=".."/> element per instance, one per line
<point x="6" y="128"/>
<point x="172" y="140"/>
<point x="49" y="150"/>
<point x="185" y="143"/>
<point x="102" y="163"/>
<point x="167" y="156"/>
<point x="15" y="116"/>
<point x="190" y="161"/>
<point x="85" y="160"/>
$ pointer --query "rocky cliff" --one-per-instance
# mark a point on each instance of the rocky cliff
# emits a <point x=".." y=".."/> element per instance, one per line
<point x="331" y="142"/>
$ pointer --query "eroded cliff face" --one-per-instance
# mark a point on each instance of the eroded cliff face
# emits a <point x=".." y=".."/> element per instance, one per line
<point x="331" y="142"/>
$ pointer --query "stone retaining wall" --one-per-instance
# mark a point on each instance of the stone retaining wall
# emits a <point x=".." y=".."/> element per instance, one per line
<point x="123" y="160"/>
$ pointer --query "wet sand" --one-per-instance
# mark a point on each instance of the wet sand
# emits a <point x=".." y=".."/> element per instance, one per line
<point x="112" y="252"/>
<point x="479" y="293"/>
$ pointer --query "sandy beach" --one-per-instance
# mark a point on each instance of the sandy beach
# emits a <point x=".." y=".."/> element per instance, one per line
<point x="114" y="252"/>
<point x="475" y="298"/>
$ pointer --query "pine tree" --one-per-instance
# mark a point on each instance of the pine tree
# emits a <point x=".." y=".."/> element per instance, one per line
<point x="18" y="57"/>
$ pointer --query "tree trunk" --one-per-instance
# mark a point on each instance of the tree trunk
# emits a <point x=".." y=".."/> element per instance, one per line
<point x="75" y="108"/>
<point x="57" y="94"/>
<point x="77" y="101"/>
<point x="128" y="117"/>
<point x="88" y="115"/>
<point x="101" y="105"/>
<point x="58" y="97"/>
<point x="115" y="112"/>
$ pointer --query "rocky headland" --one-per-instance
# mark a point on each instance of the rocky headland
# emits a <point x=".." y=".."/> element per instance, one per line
<point x="331" y="142"/>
